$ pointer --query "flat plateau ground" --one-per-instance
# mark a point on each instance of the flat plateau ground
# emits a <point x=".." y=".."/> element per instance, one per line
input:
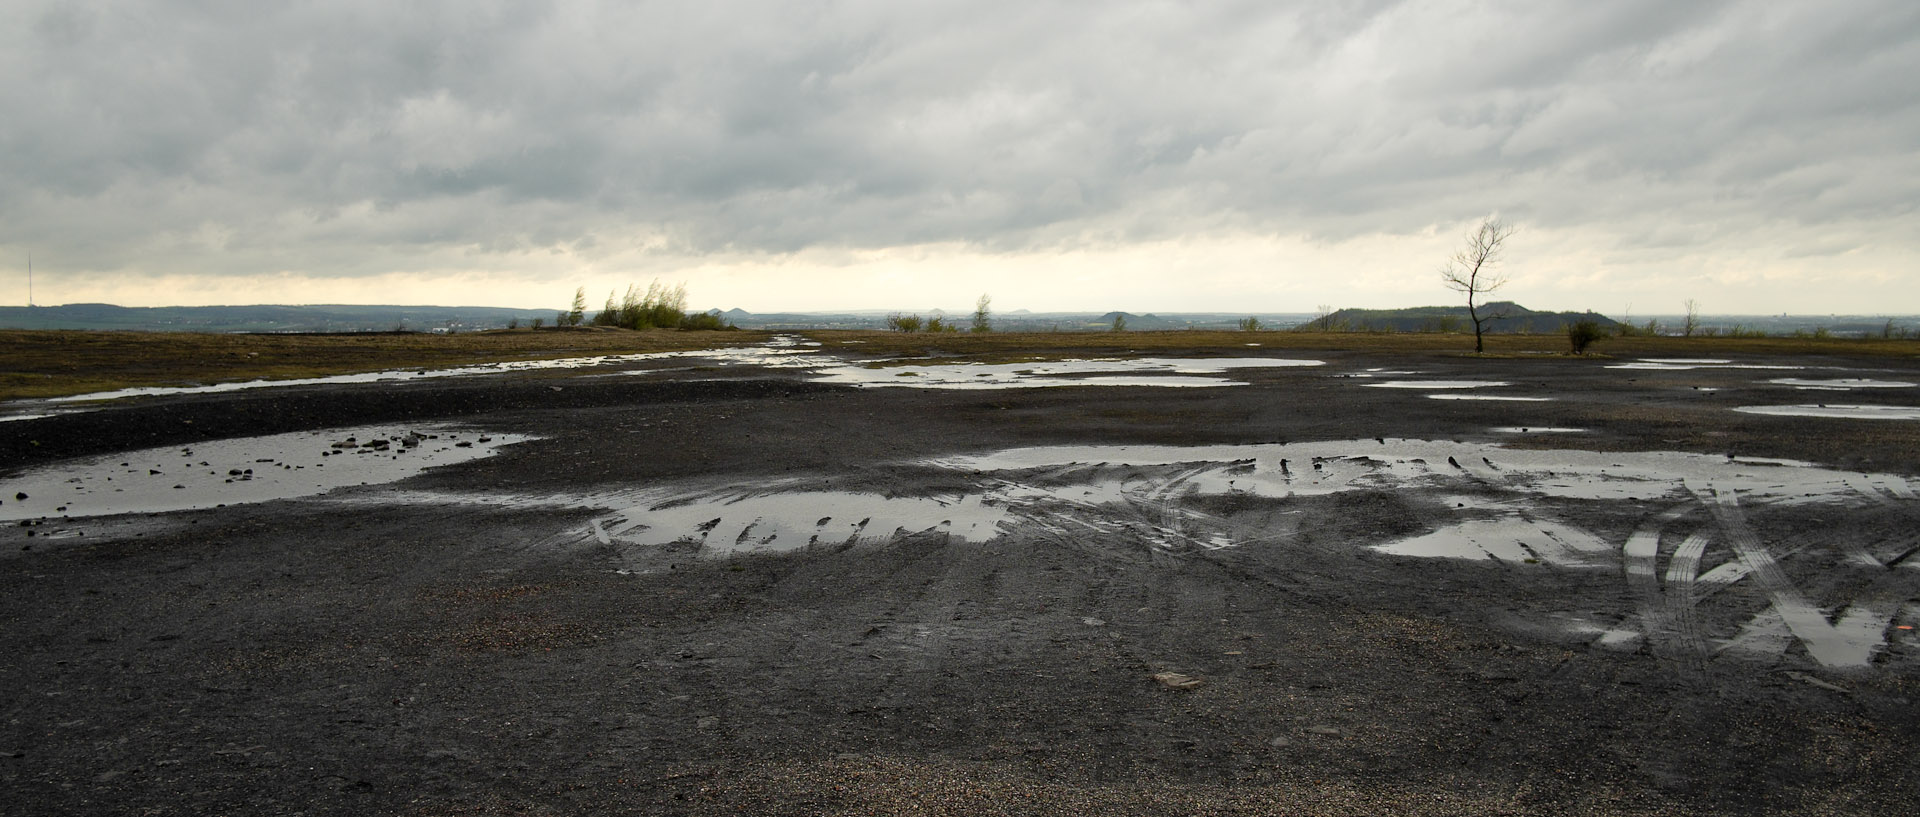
<point x="724" y="586"/>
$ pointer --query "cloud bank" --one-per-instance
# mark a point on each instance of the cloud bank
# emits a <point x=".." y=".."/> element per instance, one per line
<point x="902" y="151"/>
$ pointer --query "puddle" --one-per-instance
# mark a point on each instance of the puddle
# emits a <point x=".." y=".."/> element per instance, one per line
<point x="1436" y="384"/>
<point x="781" y="352"/>
<point x="1165" y="372"/>
<point x="1499" y="397"/>
<point x="1837" y="411"/>
<point x="1681" y="364"/>
<point x="1535" y="430"/>
<point x="1772" y="461"/>
<point x="231" y="472"/>
<point x="1841" y="384"/>
<point x="395" y="375"/>
<point x="729" y="524"/>
<point x="1709" y="570"/>
<point x="1512" y="539"/>
<point x="1511" y="509"/>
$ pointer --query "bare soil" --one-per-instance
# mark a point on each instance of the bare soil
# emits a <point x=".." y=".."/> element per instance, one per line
<point x="484" y="652"/>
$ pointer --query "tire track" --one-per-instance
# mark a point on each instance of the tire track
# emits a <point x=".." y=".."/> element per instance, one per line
<point x="1849" y="642"/>
<point x="1640" y="559"/>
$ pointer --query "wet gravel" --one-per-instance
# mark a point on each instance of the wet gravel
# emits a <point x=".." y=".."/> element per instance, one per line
<point x="348" y="655"/>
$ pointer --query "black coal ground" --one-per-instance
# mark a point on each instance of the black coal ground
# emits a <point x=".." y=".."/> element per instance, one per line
<point x="334" y="657"/>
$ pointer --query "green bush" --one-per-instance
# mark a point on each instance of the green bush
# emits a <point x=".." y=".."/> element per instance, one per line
<point x="705" y="321"/>
<point x="660" y="306"/>
<point x="1584" y="333"/>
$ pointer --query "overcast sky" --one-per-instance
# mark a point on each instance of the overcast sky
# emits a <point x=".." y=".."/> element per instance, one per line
<point x="1242" y="157"/>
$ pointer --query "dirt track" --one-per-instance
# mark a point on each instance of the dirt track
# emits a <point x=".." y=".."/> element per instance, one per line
<point x="538" y="633"/>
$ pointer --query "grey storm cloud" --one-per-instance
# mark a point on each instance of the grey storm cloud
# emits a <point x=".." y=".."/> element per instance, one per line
<point x="261" y="128"/>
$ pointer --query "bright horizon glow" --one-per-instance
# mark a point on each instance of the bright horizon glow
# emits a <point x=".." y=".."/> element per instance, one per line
<point x="1220" y="275"/>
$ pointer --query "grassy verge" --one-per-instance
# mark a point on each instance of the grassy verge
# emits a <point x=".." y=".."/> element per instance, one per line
<point x="37" y="363"/>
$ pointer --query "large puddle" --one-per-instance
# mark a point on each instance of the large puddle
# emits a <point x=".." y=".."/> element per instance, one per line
<point x="1150" y="371"/>
<point x="782" y="352"/>
<point x="1704" y="545"/>
<point x="1437" y="384"/>
<point x="395" y="375"/>
<point x="231" y="472"/>
<point x="1681" y="364"/>
<point x="1837" y="411"/>
<point x="1841" y="383"/>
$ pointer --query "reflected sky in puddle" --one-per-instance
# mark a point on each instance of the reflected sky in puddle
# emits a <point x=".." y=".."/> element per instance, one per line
<point x="1510" y="538"/>
<point x="1681" y="364"/>
<point x="784" y="352"/>
<point x="730" y="524"/>
<point x="1831" y="410"/>
<point x="396" y="375"/>
<point x="1508" y="398"/>
<point x="1166" y="372"/>
<point x="1526" y="510"/>
<point x="1018" y="485"/>
<point x="1841" y="383"/>
<point x="237" y="471"/>
<point x="1436" y="384"/>
<point x="1708" y="518"/>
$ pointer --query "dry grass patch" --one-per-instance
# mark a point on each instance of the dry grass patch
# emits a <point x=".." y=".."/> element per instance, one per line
<point x="57" y="363"/>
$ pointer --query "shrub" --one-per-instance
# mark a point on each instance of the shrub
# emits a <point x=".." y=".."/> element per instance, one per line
<point x="660" y="306"/>
<point x="982" y="315"/>
<point x="705" y="321"/>
<point x="1249" y="324"/>
<point x="1584" y="333"/>
<point x="904" y="323"/>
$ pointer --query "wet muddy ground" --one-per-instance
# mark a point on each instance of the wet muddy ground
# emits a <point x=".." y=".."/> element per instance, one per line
<point x="757" y="582"/>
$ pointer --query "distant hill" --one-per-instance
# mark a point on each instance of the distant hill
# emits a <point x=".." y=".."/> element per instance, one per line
<point x="268" y="318"/>
<point x="1510" y="318"/>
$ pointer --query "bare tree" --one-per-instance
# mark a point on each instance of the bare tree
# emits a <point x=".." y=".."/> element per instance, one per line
<point x="1692" y="323"/>
<point x="1471" y="270"/>
<point x="1323" y="315"/>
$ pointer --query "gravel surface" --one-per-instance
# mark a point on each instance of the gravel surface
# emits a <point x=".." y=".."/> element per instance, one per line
<point x="1187" y="630"/>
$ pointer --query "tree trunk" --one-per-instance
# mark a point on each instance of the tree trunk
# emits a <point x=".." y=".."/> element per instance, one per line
<point x="1474" y="314"/>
